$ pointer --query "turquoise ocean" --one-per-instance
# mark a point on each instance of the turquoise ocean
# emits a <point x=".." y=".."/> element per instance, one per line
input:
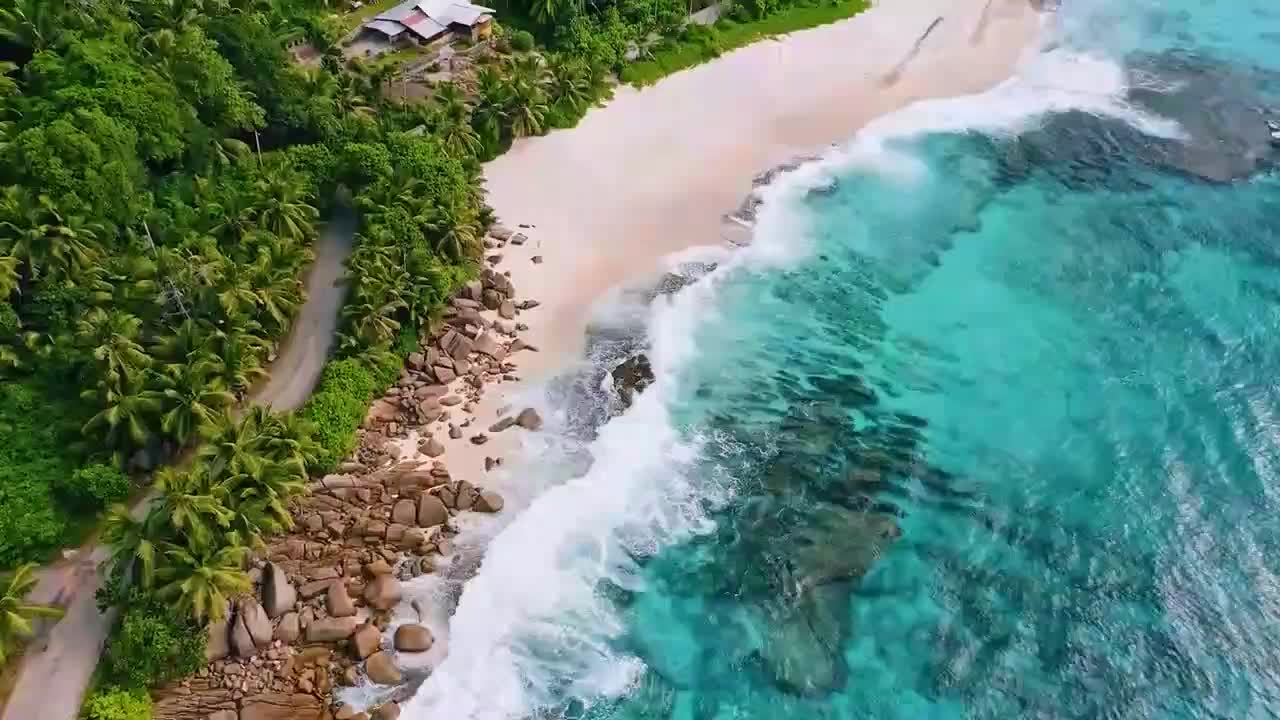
<point x="984" y="423"/>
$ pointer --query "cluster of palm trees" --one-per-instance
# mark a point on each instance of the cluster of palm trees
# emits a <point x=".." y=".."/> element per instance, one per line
<point x="176" y="321"/>
<point x="187" y="546"/>
<point x="521" y="96"/>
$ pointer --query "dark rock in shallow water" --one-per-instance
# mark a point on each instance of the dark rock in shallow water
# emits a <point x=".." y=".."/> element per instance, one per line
<point x="631" y="377"/>
<point x="1219" y="106"/>
<point x="673" y="282"/>
<point x="836" y="544"/>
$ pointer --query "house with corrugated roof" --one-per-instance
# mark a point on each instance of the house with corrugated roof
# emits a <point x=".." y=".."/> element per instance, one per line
<point x="424" y="21"/>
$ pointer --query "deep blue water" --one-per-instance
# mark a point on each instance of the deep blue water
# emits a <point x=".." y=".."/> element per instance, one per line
<point x="999" y="437"/>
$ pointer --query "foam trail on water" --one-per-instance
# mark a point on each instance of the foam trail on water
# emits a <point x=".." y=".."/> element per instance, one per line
<point x="531" y="628"/>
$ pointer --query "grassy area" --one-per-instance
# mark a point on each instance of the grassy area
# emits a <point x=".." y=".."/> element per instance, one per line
<point x="352" y="19"/>
<point x="699" y="45"/>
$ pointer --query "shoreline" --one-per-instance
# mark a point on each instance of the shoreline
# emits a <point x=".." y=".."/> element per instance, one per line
<point x="664" y="168"/>
<point x="599" y="206"/>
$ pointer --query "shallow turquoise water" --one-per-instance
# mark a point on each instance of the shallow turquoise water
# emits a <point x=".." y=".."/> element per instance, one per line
<point x="989" y="428"/>
<point x="1006" y="441"/>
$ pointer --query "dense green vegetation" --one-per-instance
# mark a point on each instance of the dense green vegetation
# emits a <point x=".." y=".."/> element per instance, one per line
<point x="152" y="646"/>
<point x="150" y="260"/>
<point x="697" y="44"/>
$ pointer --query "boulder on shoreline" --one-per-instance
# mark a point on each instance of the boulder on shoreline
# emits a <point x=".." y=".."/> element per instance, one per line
<point x="413" y="638"/>
<point x="281" y="707"/>
<point x="529" y="419"/>
<point x="338" y="602"/>
<point x="431" y="511"/>
<point x="289" y="629"/>
<point x="331" y="629"/>
<point x="382" y="670"/>
<point x="251" y="630"/>
<point x="278" y="594"/>
<point x="365" y="641"/>
<point x="383" y="593"/>
<point x="488" y="502"/>
<point x="218" y="641"/>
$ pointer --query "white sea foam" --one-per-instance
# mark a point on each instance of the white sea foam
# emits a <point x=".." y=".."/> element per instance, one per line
<point x="531" y="628"/>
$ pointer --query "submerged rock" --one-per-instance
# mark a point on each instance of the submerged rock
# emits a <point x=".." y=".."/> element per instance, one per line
<point x="802" y="642"/>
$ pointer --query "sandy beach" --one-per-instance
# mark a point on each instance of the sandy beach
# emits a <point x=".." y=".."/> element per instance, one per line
<point x="655" y="170"/>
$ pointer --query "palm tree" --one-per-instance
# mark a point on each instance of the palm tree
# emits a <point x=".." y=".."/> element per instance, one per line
<point x="264" y="493"/>
<point x="16" y="614"/>
<point x="8" y="86"/>
<point x="530" y="70"/>
<point x="25" y="220"/>
<point x="174" y="15"/>
<point x="201" y="580"/>
<point x="373" y="321"/>
<point x="548" y="11"/>
<point x="489" y="117"/>
<point x="233" y="217"/>
<point x="281" y="206"/>
<point x="222" y="153"/>
<point x="124" y="421"/>
<point x="456" y="231"/>
<point x="527" y="110"/>
<point x="279" y="293"/>
<point x="30" y="24"/>
<point x="135" y="544"/>
<point x="571" y="85"/>
<point x="233" y="448"/>
<point x="114" y="338"/>
<point x="234" y="292"/>
<point x="123" y="281"/>
<point x="192" y="504"/>
<point x="9" y="278"/>
<point x="454" y="130"/>
<point x="287" y="438"/>
<point x="189" y="337"/>
<point x="193" y="400"/>
<point x="238" y="359"/>
<point x="32" y="230"/>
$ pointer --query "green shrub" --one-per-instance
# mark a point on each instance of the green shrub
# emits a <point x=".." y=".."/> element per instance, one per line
<point x="152" y="646"/>
<point x="33" y="457"/>
<point x="522" y="41"/>
<point x="365" y="163"/>
<point x="118" y="704"/>
<point x="337" y="407"/>
<point x="94" y="486"/>
<point x="9" y="323"/>
<point x="341" y="399"/>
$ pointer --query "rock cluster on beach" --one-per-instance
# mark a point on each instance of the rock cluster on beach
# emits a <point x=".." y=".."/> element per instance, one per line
<point x="324" y="593"/>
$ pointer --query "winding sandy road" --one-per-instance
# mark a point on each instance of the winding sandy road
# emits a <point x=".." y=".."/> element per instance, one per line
<point x="59" y="664"/>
